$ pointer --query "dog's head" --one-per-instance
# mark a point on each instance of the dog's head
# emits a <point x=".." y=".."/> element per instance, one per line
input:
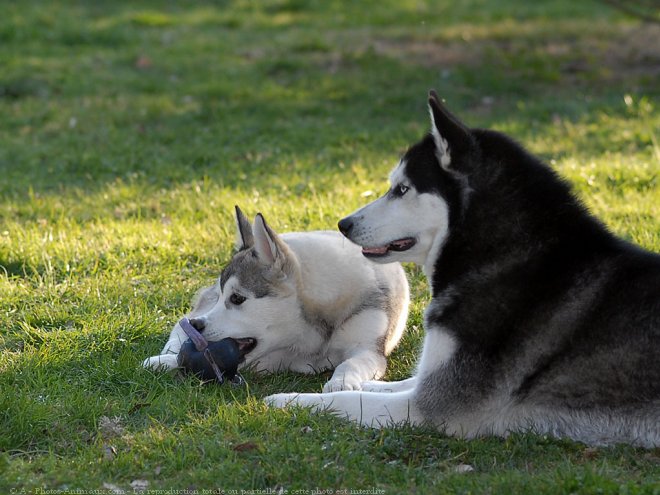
<point x="255" y="293"/>
<point x="428" y="190"/>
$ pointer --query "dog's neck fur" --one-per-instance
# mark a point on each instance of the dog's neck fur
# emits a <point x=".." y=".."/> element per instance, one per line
<point x="478" y="244"/>
<point x="320" y="317"/>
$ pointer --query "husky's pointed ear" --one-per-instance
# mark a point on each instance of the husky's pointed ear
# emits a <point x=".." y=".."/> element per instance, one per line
<point x="268" y="246"/>
<point x="244" y="237"/>
<point x="449" y="133"/>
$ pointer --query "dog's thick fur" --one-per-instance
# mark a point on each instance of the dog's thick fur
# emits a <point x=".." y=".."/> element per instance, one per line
<point x="310" y="301"/>
<point x="541" y="320"/>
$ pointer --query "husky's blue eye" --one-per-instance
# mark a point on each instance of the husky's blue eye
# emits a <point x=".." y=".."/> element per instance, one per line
<point x="236" y="299"/>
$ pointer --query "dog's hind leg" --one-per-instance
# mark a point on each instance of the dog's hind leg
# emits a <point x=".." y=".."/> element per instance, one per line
<point x="371" y="409"/>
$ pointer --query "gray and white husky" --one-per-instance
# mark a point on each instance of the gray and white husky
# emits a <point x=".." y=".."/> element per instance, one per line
<point x="540" y="320"/>
<point x="303" y="301"/>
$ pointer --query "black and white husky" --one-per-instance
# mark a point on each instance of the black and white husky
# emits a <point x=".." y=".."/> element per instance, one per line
<point x="301" y="301"/>
<point x="541" y="320"/>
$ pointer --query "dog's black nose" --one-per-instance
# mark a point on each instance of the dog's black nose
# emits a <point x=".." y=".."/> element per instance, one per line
<point x="345" y="226"/>
<point x="198" y="323"/>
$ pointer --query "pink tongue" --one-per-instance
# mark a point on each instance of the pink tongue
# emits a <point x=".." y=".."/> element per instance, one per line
<point x="375" y="250"/>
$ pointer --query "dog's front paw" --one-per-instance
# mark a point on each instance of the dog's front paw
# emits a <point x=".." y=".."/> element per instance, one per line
<point x="376" y="386"/>
<point x="282" y="400"/>
<point x="315" y="401"/>
<point x="164" y="362"/>
<point x="389" y="387"/>
<point x="345" y="382"/>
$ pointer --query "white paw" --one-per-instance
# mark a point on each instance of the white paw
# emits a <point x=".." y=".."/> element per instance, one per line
<point x="282" y="400"/>
<point x="164" y="362"/>
<point x="317" y="402"/>
<point x="342" y="383"/>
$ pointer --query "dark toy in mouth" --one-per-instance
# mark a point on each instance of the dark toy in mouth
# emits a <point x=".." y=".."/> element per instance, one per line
<point x="216" y="361"/>
<point x="396" y="246"/>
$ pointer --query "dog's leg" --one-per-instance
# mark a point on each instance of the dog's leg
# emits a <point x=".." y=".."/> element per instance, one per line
<point x="167" y="358"/>
<point x="353" y="371"/>
<point x="439" y="347"/>
<point x="371" y="409"/>
<point x="354" y="345"/>
<point x="176" y="340"/>
<point x="380" y="386"/>
<point x="164" y="362"/>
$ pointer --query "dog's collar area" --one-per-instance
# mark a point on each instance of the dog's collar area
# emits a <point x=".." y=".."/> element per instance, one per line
<point x="396" y="246"/>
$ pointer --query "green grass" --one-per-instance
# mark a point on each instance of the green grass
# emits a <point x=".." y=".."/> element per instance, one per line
<point x="130" y="129"/>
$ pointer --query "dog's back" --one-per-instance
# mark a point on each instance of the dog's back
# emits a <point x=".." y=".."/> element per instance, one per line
<point x="602" y="383"/>
<point x="338" y="282"/>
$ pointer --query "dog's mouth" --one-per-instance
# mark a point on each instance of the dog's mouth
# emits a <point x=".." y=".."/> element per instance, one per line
<point x="245" y="346"/>
<point x="395" y="246"/>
